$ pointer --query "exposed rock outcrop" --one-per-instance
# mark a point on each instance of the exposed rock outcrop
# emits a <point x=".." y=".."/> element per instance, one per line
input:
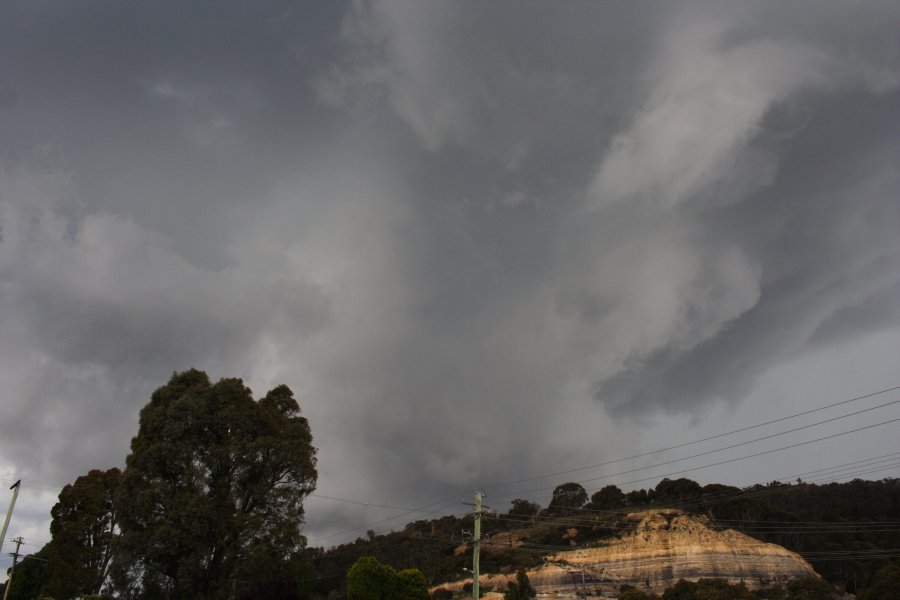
<point x="663" y="547"/>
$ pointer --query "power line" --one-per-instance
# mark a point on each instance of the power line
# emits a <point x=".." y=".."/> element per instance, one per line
<point x="705" y="439"/>
<point x="34" y="483"/>
<point x="728" y="496"/>
<point x="422" y="509"/>
<point x="687" y="470"/>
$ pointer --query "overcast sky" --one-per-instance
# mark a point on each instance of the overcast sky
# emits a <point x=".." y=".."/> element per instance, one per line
<point x="480" y="241"/>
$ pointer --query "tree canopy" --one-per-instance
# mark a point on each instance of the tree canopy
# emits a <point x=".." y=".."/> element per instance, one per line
<point x="608" y="497"/>
<point x="566" y="497"/>
<point x="30" y="575"/>
<point x="885" y="586"/>
<point x="524" y="508"/>
<point x="369" y="579"/>
<point x="83" y="527"/>
<point x="212" y="493"/>
<point x="677" y="490"/>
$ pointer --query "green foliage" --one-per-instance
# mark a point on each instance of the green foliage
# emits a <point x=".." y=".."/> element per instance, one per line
<point x="211" y="498"/>
<point x="369" y="579"/>
<point x="885" y="585"/>
<point x="567" y="497"/>
<point x="429" y="544"/>
<point x="608" y="497"/>
<point x="839" y="503"/>
<point x="524" y="508"/>
<point x="83" y="527"/>
<point x="638" y="498"/>
<point x="670" y="491"/>
<point x="629" y="592"/>
<point x="520" y="589"/>
<point x="707" y="589"/>
<point x="30" y="575"/>
<point x="810" y="588"/>
<point x="411" y="585"/>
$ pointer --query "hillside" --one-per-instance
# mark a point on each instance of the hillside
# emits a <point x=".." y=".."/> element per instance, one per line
<point x="846" y="531"/>
<point x="663" y="547"/>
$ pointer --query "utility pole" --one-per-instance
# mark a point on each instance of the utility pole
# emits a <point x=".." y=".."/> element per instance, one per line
<point x="476" y="546"/>
<point x="18" y="541"/>
<point x="15" y="488"/>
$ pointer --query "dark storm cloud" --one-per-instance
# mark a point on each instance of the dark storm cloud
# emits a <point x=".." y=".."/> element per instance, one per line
<point x="464" y="234"/>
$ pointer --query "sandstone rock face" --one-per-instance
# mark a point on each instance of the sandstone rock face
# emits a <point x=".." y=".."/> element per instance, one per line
<point x="664" y="546"/>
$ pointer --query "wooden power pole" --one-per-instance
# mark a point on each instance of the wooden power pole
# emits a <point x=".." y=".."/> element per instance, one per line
<point x="15" y="488"/>
<point x="18" y="541"/>
<point x="476" y="546"/>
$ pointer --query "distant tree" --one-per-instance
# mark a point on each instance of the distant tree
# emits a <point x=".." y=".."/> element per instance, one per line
<point x="811" y="588"/>
<point x="682" y="590"/>
<point x="885" y="585"/>
<point x="607" y="497"/>
<point x="524" y="508"/>
<point x="710" y="589"/>
<point x="629" y="592"/>
<point x="368" y="579"/>
<point x="677" y="490"/>
<point x="212" y="493"/>
<point x="521" y="588"/>
<point x="411" y="585"/>
<point x="567" y="497"/>
<point x="83" y="525"/>
<point x="639" y="497"/>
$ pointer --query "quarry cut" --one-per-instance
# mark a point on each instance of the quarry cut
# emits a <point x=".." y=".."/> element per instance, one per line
<point x="663" y="546"/>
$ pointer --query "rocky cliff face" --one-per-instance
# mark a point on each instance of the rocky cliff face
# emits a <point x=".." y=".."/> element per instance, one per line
<point x="663" y="547"/>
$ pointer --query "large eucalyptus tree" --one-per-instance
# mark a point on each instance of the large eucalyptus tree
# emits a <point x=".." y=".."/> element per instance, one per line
<point x="212" y="493"/>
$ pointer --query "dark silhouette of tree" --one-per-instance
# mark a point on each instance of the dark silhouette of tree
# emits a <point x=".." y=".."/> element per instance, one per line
<point x="520" y="589"/>
<point x="885" y="585"/>
<point x="629" y="592"/>
<point x="567" y="497"/>
<point x="678" y="490"/>
<point x="639" y="497"/>
<point x="607" y="497"/>
<point x="810" y="588"/>
<point x="213" y="489"/>
<point x="83" y="525"/>
<point x="31" y="575"/>
<point x="524" y="508"/>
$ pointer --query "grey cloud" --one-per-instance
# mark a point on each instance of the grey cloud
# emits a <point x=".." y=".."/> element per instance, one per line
<point x="8" y="97"/>
<point x="478" y="242"/>
<point x="508" y="85"/>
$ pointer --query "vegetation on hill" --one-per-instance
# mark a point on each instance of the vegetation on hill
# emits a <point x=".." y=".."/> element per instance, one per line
<point x="717" y="589"/>
<point x="858" y="518"/>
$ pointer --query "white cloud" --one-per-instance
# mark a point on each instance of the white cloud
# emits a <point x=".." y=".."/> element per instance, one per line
<point x="708" y="96"/>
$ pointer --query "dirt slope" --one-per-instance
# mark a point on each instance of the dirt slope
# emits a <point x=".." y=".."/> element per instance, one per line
<point x="664" y="546"/>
